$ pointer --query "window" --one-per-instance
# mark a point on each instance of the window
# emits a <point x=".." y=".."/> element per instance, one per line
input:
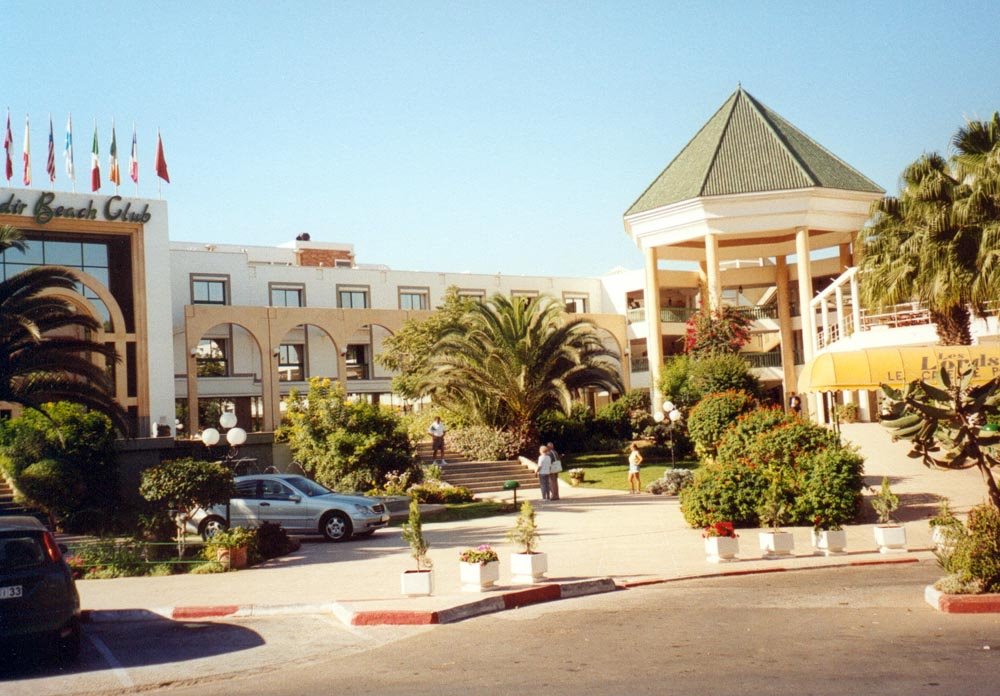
<point x="528" y="294"/>
<point x="576" y="304"/>
<point x="352" y="297"/>
<point x="291" y="362"/>
<point x="275" y="490"/>
<point x="414" y="298"/>
<point x="212" y="357"/>
<point x="288" y="296"/>
<point x="246" y="489"/>
<point x="357" y="366"/>
<point x="209" y="290"/>
<point x="342" y="263"/>
<point x="477" y="295"/>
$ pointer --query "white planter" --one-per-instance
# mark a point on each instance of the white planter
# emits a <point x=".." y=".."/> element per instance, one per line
<point x="891" y="538"/>
<point x="528" y="568"/>
<point x="776" y="544"/>
<point x="721" y="549"/>
<point x="477" y="577"/>
<point x="417" y="582"/>
<point x="830" y="542"/>
<point x="938" y="536"/>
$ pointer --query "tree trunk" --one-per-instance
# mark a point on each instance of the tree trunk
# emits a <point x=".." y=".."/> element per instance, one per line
<point x="953" y="326"/>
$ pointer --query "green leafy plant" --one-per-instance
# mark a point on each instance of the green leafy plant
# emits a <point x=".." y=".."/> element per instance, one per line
<point x="773" y="508"/>
<point x="233" y="538"/>
<point x="713" y="415"/>
<point x="482" y="555"/>
<point x="413" y="535"/>
<point x="949" y="417"/>
<point x="972" y="558"/>
<point x="440" y="493"/>
<point x="484" y="443"/>
<point x="525" y="531"/>
<point x="847" y="413"/>
<point x="885" y="502"/>
<point x="832" y="480"/>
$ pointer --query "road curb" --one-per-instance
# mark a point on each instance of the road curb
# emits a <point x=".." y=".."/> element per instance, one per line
<point x="962" y="604"/>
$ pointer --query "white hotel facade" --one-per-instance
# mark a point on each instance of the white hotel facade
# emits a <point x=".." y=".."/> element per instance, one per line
<point x="751" y="213"/>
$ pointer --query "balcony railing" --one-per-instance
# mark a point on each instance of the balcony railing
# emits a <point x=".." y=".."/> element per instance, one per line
<point x="769" y="359"/>
<point x="758" y="312"/>
<point x="668" y="315"/>
<point x="640" y="364"/>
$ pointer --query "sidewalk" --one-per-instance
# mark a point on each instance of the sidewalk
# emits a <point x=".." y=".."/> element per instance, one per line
<point x="592" y="538"/>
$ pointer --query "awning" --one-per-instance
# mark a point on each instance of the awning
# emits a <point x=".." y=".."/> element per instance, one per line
<point x="867" y="369"/>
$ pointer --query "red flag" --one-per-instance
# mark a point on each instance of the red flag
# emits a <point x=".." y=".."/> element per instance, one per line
<point x="50" y="164"/>
<point x="8" y="140"/>
<point x="133" y="159"/>
<point x="161" y="162"/>
<point x="95" y="167"/>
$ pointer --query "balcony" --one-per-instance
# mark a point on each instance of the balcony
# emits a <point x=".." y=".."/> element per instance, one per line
<point x="640" y="365"/>
<point x="667" y="315"/>
<point x="760" y="360"/>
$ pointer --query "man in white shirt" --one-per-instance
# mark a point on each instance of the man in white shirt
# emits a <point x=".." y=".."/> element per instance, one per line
<point x="437" y="439"/>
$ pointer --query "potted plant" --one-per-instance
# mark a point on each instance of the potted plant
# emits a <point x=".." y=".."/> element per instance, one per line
<point x="847" y="413"/>
<point x="230" y="546"/>
<point x="890" y="537"/>
<point x="479" y="568"/>
<point x="944" y="524"/>
<point x="828" y="538"/>
<point x="528" y="566"/>
<point x="721" y="542"/>
<point x="772" y="510"/>
<point x="575" y="476"/>
<point x="421" y="580"/>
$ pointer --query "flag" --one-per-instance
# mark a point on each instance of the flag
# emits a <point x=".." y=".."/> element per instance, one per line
<point x="133" y="159"/>
<point x="8" y="142"/>
<point x="68" y="152"/>
<point x="161" y="162"/>
<point x="50" y="165"/>
<point x="27" y="152"/>
<point x="114" y="175"/>
<point x="95" y="166"/>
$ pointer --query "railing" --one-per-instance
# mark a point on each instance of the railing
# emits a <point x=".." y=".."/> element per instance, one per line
<point x="667" y="314"/>
<point x="907" y="314"/>
<point x="640" y="364"/>
<point x="759" y="312"/>
<point x="769" y="359"/>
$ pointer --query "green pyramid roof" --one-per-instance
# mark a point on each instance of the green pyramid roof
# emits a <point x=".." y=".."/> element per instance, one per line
<point x="747" y="148"/>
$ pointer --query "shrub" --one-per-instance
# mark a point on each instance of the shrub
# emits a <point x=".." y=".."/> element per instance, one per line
<point x="524" y="533"/>
<point x="185" y="484"/>
<point x="713" y="415"/>
<point x="345" y="445"/>
<point x="441" y="493"/>
<point x="723" y="492"/>
<point x="832" y="480"/>
<point x="736" y="440"/>
<point x="671" y="482"/>
<point x="272" y="541"/>
<point x="721" y="373"/>
<point x="483" y="443"/>
<point x="109" y="558"/>
<point x="974" y="559"/>
<point x="783" y="446"/>
<point x="53" y="485"/>
<point x="625" y="418"/>
<point x="570" y="433"/>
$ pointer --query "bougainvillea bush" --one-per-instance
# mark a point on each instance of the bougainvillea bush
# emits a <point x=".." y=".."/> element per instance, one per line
<point x="713" y="415"/>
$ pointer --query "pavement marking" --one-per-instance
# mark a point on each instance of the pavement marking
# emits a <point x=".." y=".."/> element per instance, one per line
<point x="116" y="668"/>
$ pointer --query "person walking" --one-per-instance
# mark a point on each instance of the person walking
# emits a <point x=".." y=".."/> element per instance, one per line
<point x="554" y="468"/>
<point x="437" y="439"/>
<point x="544" y="466"/>
<point x="634" y="462"/>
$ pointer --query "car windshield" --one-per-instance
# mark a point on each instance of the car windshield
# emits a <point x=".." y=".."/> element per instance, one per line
<point x="310" y="488"/>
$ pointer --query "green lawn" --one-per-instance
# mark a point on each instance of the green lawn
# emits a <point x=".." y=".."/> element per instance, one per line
<point x="610" y="469"/>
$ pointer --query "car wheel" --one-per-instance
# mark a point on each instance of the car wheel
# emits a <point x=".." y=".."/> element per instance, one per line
<point x="68" y="647"/>
<point x="210" y="525"/>
<point x="335" y="526"/>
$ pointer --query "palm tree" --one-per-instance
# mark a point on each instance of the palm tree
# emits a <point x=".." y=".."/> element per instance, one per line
<point x="915" y="248"/>
<point x="42" y="359"/>
<point x="512" y="359"/>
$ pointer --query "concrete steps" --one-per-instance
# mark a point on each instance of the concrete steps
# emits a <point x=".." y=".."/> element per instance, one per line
<point x="424" y="451"/>
<point x="8" y="506"/>
<point x="486" y="477"/>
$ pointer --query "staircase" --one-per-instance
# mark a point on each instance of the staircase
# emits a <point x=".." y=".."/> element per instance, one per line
<point x="478" y="477"/>
<point x="8" y="506"/>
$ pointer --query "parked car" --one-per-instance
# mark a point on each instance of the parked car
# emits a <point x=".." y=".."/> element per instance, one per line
<point x="38" y="598"/>
<point x="298" y="504"/>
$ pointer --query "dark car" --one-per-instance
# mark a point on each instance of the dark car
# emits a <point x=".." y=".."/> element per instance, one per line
<point x="38" y="598"/>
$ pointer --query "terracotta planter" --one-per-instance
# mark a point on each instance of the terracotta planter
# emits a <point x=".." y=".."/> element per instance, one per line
<point x="830" y="542"/>
<point x="721" y="549"/>
<point x="478" y="577"/>
<point x="891" y="538"/>
<point x="776" y="544"/>
<point x="232" y="559"/>
<point x="528" y="568"/>
<point x="417" y="582"/>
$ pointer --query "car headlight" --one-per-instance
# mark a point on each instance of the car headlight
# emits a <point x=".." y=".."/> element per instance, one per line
<point x="364" y="509"/>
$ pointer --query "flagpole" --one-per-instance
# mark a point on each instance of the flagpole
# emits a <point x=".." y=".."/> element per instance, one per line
<point x="52" y="148"/>
<point x="136" y="154"/>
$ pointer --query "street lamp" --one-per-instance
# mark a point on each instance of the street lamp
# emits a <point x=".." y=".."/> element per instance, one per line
<point x="672" y="414"/>
<point x="234" y="436"/>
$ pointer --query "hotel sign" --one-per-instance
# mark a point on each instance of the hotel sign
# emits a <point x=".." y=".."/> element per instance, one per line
<point x="45" y="209"/>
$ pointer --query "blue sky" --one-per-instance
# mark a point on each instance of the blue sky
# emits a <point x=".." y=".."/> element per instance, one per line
<point x="474" y="136"/>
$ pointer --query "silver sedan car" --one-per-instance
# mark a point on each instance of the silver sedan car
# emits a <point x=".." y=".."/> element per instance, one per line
<point x="299" y="505"/>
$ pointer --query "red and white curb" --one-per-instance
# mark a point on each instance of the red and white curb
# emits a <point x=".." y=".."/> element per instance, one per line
<point x="962" y="604"/>
<point x="511" y="599"/>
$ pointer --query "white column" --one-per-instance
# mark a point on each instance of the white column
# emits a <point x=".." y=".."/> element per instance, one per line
<point x="855" y="305"/>
<point x="712" y="269"/>
<point x="654" y="343"/>
<point x="805" y="294"/>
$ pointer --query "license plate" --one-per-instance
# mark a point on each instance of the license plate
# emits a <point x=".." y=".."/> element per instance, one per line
<point x="12" y="592"/>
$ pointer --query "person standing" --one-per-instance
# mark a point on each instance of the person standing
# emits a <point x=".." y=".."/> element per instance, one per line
<point x="437" y="439"/>
<point x="554" y="468"/>
<point x="634" y="462"/>
<point x="795" y="404"/>
<point x="544" y="467"/>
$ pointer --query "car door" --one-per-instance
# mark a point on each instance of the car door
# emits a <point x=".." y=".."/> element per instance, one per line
<point x="281" y="504"/>
<point x="244" y="507"/>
